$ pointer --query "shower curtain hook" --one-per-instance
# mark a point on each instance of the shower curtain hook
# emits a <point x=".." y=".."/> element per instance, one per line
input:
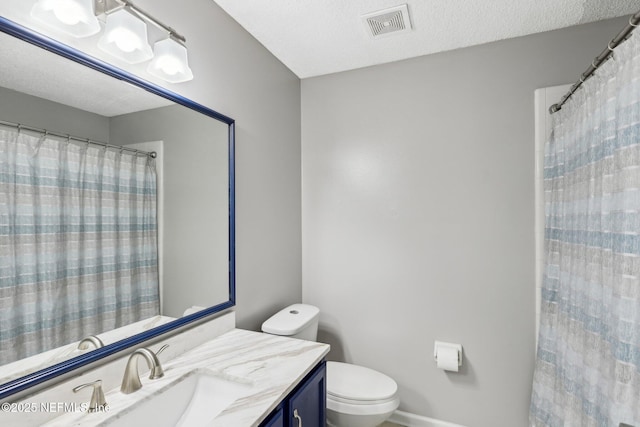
<point x="609" y="46"/>
<point x="631" y="21"/>
<point x="19" y="128"/>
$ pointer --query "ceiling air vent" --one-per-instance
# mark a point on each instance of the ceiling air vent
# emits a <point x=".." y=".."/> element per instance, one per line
<point x="388" y="21"/>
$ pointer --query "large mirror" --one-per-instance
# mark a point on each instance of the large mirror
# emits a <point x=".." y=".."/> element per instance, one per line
<point x="56" y="97"/>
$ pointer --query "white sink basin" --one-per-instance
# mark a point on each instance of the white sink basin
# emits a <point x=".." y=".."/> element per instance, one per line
<point x="193" y="400"/>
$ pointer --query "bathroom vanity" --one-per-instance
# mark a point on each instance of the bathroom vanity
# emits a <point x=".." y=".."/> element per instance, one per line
<point x="240" y="378"/>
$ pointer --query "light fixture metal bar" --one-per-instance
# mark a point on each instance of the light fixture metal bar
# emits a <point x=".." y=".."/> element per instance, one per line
<point x="107" y="6"/>
<point x="102" y="7"/>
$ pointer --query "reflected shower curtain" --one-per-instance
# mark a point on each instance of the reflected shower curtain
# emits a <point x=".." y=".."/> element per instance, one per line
<point x="588" y="360"/>
<point x="78" y="241"/>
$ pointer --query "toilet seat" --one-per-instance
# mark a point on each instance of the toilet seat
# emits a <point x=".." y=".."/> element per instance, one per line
<point x="359" y="402"/>
<point x="356" y="385"/>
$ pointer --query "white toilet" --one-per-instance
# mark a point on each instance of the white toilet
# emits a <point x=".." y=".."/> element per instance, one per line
<point x="356" y="396"/>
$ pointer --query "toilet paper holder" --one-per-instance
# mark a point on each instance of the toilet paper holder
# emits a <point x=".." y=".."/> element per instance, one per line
<point x="441" y="344"/>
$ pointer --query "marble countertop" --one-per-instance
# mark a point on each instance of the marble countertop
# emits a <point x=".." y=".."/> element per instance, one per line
<point x="270" y="365"/>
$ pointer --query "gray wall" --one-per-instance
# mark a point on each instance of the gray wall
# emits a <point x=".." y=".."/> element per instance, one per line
<point x="195" y="214"/>
<point x="418" y="217"/>
<point x="237" y="76"/>
<point x="240" y="78"/>
<point x="24" y="109"/>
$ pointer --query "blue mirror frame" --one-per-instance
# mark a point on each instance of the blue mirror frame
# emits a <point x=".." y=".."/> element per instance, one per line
<point x="35" y="378"/>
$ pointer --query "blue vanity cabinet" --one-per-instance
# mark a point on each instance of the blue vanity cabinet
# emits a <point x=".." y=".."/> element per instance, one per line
<point x="276" y="419"/>
<point x="306" y="405"/>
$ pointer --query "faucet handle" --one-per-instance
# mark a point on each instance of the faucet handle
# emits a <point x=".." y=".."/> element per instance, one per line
<point x="98" y="402"/>
<point x="163" y="348"/>
<point x="156" y="370"/>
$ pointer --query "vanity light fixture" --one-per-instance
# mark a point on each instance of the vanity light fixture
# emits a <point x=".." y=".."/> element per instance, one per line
<point x="125" y="37"/>
<point x="170" y="61"/>
<point x="73" y="17"/>
<point x="125" y="33"/>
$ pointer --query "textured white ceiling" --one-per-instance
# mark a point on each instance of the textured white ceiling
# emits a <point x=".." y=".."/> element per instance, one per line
<point x="37" y="72"/>
<point x="315" y="37"/>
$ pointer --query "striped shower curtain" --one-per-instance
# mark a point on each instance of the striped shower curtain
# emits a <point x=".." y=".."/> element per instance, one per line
<point x="78" y="241"/>
<point x="588" y="359"/>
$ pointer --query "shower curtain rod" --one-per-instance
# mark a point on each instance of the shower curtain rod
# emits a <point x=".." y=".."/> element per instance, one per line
<point x="623" y="35"/>
<point x="45" y="132"/>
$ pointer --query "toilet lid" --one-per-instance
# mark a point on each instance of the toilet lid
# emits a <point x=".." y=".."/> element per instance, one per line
<point x="355" y="382"/>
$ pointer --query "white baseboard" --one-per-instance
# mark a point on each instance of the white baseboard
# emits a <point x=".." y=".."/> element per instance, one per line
<point x="412" y="420"/>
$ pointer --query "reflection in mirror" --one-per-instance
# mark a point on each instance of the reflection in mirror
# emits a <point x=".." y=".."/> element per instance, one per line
<point x="101" y="241"/>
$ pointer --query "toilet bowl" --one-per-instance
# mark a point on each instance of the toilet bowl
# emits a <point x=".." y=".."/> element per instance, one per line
<point x="356" y="396"/>
<point x="359" y="396"/>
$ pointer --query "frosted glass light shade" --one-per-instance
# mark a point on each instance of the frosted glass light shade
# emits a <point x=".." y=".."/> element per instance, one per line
<point x="170" y="62"/>
<point x="73" y="17"/>
<point x="125" y="37"/>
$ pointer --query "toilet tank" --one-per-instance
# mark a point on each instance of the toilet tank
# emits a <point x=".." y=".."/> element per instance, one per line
<point x="296" y="321"/>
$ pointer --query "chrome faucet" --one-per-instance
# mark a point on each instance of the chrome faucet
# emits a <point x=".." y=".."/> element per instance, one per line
<point x="131" y="380"/>
<point x="91" y="339"/>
